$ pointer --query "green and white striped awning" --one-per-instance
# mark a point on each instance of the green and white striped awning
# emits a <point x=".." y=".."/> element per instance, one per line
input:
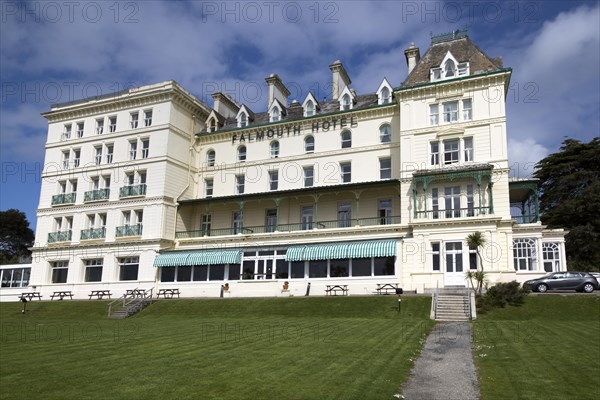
<point x="336" y="251"/>
<point x="211" y="257"/>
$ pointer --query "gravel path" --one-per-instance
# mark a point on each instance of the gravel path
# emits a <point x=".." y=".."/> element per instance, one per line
<point x="445" y="368"/>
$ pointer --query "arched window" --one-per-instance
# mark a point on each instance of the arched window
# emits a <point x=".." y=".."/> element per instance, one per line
<point x="275" y="114"/>
<point x="346" y="139"/>
<point x="449" y="68"/>
<point x="243" y="120"/>
<point x="241" y="155"/>
<point x="210" y="158"/>
<point x="524" y="255"/>
<point x="213" y="125"/>
<point x="385" y="96"/>
<point x="385" y="133"/>
<point x="274" y="149"/>
<point x="310" y="109"/>
<point x="346" y="102"/>
<point x="309" y="144"/>
<point x="551" y="256"/>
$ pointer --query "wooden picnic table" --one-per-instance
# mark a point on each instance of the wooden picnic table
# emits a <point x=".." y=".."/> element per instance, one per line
<point x="335" y="289"/>
<point x="135" y="293"/>
<point x="386" y="288"/>
<point x="61" y="294"/>
<point x="31" y="295"/>
<point x="99" y="294"/>
<point x="168" y="293"/>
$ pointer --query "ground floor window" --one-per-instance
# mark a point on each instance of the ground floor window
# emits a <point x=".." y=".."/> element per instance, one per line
<point x="15" y="277"/>
<point x="356" y="267"/>
<point x="60" y="269"/>
<point x="551" y="255"/>
<point x="128" y="268"/>
<point x="199" y="273"/>
<point x="435" y="256"/>
<point x="93" y="270"/>
<point x="524" y="255"/>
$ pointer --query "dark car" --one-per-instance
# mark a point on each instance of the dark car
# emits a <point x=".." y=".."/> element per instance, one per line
<point x="572" y="280"/>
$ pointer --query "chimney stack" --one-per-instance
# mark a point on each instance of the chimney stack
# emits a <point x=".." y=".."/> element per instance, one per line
<point x="413" y="55"/>
<point x="277" y="90"/>
<point x="340" y="79"/>
<point x="224" y="105"/>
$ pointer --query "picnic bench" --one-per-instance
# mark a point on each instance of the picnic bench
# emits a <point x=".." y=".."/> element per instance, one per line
<point x="335" y="289"/>
<point x="61" y="294"/>
<point x="31" y="295"/>
<point x="386" y="288"/>
<point x="99" y="294"/>
<point x="135" y="293"/>
<point x="168" y="293"/>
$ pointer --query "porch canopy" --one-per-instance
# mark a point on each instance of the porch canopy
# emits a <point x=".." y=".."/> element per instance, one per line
<point x="209" y="257"/>
<point x="336" y="251"/>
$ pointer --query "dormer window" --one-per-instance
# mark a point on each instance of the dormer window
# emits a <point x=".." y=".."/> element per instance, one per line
<point x="346" y="102"/>
<point x="310" y="105"/>
<point x="449" y="68"/>
<point x="385" y="96"/>
<point x="275" y="114"/>
<point x="213" y="125"/>
<point x="243" y="120"/>
<point x="384" y="92"/>
<point x="310" y="109"/>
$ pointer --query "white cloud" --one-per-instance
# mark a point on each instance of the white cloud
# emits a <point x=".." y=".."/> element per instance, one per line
<point x="523" y="155"/>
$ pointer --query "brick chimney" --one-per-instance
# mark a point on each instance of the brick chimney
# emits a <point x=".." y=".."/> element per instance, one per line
<point x="413" y="55"/>
<point x="340" y="79"/>
<point x="277" y="90"/>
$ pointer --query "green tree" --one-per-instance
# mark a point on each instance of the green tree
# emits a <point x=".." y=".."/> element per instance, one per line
<point x="570" y="199"/>
<point x="475" y="241"/>
<point x="15" y="236"/>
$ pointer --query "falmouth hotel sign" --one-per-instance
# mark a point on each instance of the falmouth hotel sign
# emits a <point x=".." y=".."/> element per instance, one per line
<point x="282" y="131"/>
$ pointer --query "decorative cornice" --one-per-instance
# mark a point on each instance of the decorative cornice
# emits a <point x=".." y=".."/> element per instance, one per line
<point x="165" y="200"/>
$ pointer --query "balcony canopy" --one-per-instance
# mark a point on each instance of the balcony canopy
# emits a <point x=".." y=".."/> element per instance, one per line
<point x="209" y="257"/>
<point x="335" y="251"/>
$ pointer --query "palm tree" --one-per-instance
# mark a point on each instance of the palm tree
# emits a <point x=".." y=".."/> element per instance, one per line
<point x="476" y="240"/>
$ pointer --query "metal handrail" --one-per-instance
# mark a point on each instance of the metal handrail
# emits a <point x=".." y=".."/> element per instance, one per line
<point x="437" y="295"/>
<point x="147" y="294"/>
<point x="469" y="301"/>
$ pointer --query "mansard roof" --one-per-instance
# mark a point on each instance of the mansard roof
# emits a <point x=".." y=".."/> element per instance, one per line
<point x="463" y="50"/>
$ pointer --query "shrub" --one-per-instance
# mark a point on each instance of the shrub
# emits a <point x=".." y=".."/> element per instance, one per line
<point x="502" y="294"/>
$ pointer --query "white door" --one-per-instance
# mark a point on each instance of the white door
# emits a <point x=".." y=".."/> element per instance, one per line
<point x="453" y="270"/>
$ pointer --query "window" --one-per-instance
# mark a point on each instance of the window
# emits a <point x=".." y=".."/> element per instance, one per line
<point x="463" y="69"/>
<point x="435" y="256"/>
<point x="551" y="256"/>
<point x="132" y="150"/>
<point x="241" y="154"/>
<point x="93" y="270"/>
<point x="274" y="149"/>
<point x="271" y="220"/>
<point x="435" y="203"/>
<point x="98" y="157"/>
<point x="212" y="125"/>
<point x="109" y="153"/>
<point x="449" y="69"/>
<point x="452" y="201"/>
<point x="454" y="260"/>
<point x="470" y="201"/>
<point x="128" y="268"/>
<point x="66" y="132"/>
<point x="385" y="133"/>
<point x="346" y="139"/>
<point x="210" y="158"/>
<point x="450" y="111"/>
<point x="467" y="112"/>
<point x="148" y="118"/>
<point x="80" y="129"/>
<point x="60" y="269"/>
<point x="361" y="267"/>
<point x="77" y="158"/>
<point x="346" y="102"/>
<point x="346" y="172"/>
<point x="237" y="224"/>
<point x="239" y="184"/>
<point x="208" y="187"/>
<point x="66" y="156"/>
<point x="385" y="96"/>
<point x="468" y="142"/>
<point x="15" y="277"/>
<point x="297" y="269"/>
<point x="100" y="126"/>
<point x="205" y="224"/>
<point x="134" y="119"/>
<point x="306" y="217"/>
<point x="434" y="150"/>
<point x="344" y="215"/>
<point x="275" y="114"/>
<point x="383" y="266"/>
<point x="436" y="74"/>
<point x="434" y="114"/>
<point x="473" y="260"/>
<point x="451" y="151"/>
<point x="145" y="148"/>
<point x="243" y="121"/>
<point x="112" y="124"/>
<point x="385" y="168"/>
<point x="385" y="212"/>
<point x="309" y="144"/>
<point x="273" y="180"/>
<point x="310" y="108"/>
<point x="308" y="176"/>
<point x="525" y="255"/>
<point x="317" y="269"/>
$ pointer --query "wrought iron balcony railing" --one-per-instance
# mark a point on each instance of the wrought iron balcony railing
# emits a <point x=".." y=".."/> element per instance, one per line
<point x="129" y="230"/>
<point x="93" y="233"/>
<point x="453" y="213"/>
<point x="97" y="195"/>
<point x="132" y="191"/>
<point x="64" y="198"/>
<point x="63" y="236"/>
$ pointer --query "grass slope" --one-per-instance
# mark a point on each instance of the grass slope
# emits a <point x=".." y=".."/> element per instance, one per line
<point x="296" y="348"/>
<point x="549" y="348"/>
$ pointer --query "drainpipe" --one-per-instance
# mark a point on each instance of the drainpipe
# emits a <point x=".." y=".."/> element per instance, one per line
<point x="189" y="177"/>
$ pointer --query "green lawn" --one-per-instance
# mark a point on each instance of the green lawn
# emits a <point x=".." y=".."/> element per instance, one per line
<point x="291" y="348"/>
<point x="547" y="349"/>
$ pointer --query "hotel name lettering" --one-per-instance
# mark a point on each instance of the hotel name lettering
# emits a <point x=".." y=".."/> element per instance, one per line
<point x="294" y="130"/>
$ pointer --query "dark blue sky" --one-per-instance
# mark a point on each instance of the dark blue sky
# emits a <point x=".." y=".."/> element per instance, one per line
<point x="60" y="51"/>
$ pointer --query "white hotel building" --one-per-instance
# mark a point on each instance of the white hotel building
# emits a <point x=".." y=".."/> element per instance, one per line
<point x="152" y="188"/>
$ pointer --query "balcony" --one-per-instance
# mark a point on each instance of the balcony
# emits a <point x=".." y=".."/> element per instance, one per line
<point x="295" y="227"/>
<point x="93" y="233"/>
<point x="64" y="198"/>
<point x="453" y="213"/>
<point x="129" y="230"/>
<point x="64" y="236"/>
<point x="132" y="191"/>
<point x="96" y="195"/>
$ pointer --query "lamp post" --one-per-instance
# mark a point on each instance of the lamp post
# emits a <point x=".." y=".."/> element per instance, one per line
<point x="399" y="293"/>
